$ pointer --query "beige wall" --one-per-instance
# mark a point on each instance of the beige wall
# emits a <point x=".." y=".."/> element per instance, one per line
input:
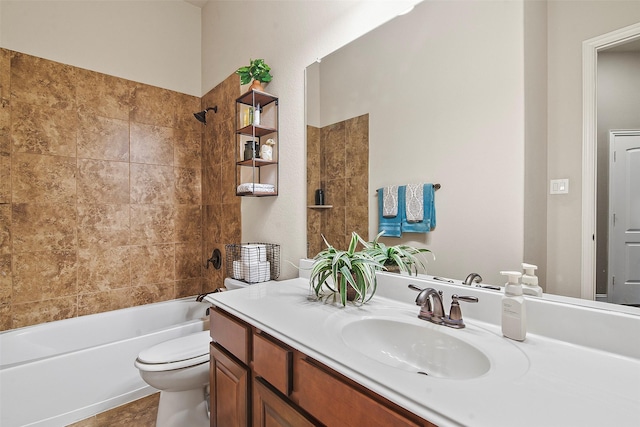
<point x="289" y="36"/>
<point x="297" y="36"/>
<point x="154" y="42"/>
<point x="431" y="122"/>
<point x="535" y="137"/>
<point x="569" y="24"/>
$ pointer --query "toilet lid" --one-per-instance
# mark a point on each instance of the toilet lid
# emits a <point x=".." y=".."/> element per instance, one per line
<point x="179" y="349"/>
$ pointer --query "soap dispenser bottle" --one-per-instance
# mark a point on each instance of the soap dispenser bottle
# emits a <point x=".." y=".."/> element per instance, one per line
<point x="530" y="280"/>
<point x="514" y="319"/>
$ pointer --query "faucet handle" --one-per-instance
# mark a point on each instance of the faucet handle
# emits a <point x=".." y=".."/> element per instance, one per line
<point x="455" y="314"/>
<point x="464" y="298"/>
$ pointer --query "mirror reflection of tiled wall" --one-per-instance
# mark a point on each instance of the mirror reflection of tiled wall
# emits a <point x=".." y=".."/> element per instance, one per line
<point x="101" y="191"/>
<point x="338" y="162"/>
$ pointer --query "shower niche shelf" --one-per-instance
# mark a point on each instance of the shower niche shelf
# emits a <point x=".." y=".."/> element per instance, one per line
<point x="256" y="172"/>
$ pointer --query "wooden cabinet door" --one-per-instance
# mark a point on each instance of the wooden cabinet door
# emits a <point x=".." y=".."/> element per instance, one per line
<point x="271" y="410"/>
<point x="337" y="404"/>
<point x="229" y="390"/>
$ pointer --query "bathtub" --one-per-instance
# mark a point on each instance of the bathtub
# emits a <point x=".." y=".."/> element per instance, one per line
<point x="57" y="373"/>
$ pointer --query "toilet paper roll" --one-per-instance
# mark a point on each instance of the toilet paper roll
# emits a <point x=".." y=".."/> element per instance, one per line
<point x="257" y="272"/>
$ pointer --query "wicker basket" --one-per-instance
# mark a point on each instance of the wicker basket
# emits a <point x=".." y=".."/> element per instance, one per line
<point x="253" y="262"/>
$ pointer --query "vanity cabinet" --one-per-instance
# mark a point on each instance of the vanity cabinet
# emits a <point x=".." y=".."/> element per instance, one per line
<point x="257" y="170"/>
<point x="277" y="385"/>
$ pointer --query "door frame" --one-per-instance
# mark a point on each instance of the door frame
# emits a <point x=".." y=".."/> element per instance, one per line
<point x="590" y="49"/>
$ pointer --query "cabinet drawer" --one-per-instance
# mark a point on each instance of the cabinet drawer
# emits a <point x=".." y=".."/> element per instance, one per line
<point x="230" y="333"/>
<point x="270" y="409"/>
<point x="273" y="362"/>
<point x="335" y="403"/>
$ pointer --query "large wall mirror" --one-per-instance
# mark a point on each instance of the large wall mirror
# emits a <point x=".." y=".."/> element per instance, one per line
<point x="449" y="99"/>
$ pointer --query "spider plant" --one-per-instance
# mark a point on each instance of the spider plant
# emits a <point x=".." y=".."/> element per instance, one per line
<point x="395" y="258"/>
<point x="353" y="273"/>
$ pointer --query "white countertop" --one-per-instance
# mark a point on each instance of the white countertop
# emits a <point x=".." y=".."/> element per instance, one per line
<point x="539" y="382"/>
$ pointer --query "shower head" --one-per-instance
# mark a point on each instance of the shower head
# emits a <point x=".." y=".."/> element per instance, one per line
<point x="202" y="115"/>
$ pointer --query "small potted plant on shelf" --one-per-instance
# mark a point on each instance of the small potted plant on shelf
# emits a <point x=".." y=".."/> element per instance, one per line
<point x="396" y="259"/>
<point x="353" y="273"/>
<point x="256" y="70"/>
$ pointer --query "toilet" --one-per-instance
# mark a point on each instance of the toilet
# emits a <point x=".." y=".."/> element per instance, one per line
<point x="179" y="368"/>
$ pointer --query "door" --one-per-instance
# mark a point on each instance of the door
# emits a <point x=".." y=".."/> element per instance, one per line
<point x="229" y="390"/>
<point x="624" y="217"/>
<point x="272" y="410"/>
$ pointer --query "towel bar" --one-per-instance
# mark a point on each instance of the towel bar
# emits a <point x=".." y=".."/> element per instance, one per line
<point x="435" y="187"/>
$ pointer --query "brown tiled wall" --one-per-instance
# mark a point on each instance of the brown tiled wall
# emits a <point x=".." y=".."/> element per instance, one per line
<point x="103" y="186"/>
<point x="220" y="205"/>
<point x="338" y="162"/>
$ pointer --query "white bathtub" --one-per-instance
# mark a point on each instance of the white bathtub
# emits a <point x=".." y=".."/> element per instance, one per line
<point x="61" y="372"/>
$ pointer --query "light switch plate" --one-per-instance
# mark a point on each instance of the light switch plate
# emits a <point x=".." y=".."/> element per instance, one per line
<point x="559" y="186"/>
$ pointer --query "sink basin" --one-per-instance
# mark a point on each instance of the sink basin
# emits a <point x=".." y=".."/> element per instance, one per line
<point x="423" y="349"/>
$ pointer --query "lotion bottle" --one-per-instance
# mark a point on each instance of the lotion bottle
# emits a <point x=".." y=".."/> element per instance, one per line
<point x="256" y="116"/>
<point x="530" y="280"/>
<point x="514" y="318"/>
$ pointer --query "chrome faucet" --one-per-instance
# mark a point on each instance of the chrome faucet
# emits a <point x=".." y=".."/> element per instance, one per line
<point x="472" y="278"/>
<point x="432" y="309"/>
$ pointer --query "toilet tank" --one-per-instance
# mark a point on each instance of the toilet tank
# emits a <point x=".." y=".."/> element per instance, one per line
<point x="232" y="284"/>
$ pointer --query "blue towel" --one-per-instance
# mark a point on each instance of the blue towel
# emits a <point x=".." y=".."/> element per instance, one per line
<point x="391" y="226"/>
<point x="428" y="223"/>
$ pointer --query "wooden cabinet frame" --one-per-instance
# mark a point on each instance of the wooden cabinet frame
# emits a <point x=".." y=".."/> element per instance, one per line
<point x="268" y="383"/>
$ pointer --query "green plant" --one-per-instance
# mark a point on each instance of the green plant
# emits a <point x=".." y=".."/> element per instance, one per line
<point x="405" y="257"/>
<point x="256" y="70"/>
<point x="356" y="269"/>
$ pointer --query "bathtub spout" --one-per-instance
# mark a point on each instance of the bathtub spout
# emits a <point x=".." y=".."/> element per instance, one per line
<point x="200" y="297"/>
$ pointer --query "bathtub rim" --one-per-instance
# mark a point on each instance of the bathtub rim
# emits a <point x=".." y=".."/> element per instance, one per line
<point x="51" y="324"/>
<point x="139" y="389"/>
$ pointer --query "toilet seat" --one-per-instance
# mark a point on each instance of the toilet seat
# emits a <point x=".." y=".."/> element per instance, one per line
<point x="178" y="353"/>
